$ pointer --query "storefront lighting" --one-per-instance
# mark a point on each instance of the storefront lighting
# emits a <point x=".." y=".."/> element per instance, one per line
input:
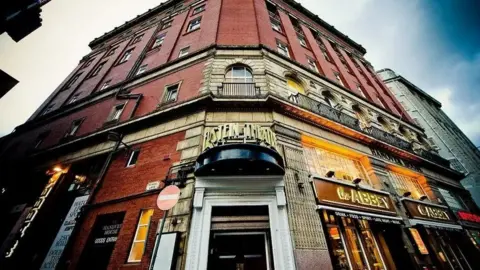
<point x="356" y="181"/>
<point x="423" y="198"/>
<point x="57" y="169"/>
<point x="330" y="174"/>
<point x="407" y="194"/>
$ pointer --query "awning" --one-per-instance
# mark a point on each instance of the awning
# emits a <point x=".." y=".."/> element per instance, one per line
<point x="362" y="215"/>
<point x="435" y="225"/>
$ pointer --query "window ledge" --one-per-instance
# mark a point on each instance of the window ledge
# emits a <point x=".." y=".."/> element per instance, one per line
<point x="110" y="122"/>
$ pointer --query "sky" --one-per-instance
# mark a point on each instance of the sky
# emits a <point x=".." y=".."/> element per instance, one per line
<point x="433" y="44"/>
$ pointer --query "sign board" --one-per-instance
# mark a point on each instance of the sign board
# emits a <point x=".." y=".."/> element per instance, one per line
<point x="61" y="240"/>
<point x="164" y="259"/>
<point x="427" y="211"/>
<point x="467" y="216"/>
<point x="168" y="197"/>
<point x="346" y="196"/>
<point x="153" y="185"/>
<point x="418" y="241"/>
<point x="238" y="133"/>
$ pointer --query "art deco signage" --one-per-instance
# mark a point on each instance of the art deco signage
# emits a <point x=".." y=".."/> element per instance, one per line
<point x="427" y="211"/>
<point x="470" y="217"/>
<point x="418" y="241"/>
<point x="345" y="196"/>
<point x="238" y="133"/>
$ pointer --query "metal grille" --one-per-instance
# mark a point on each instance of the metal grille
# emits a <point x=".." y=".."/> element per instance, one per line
<point x="403" y="183"/>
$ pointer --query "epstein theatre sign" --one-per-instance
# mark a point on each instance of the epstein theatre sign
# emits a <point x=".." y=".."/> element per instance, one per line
<point x="333" y="193"/>
<point x="239" y="133"/>
<point x="427" y="211"/>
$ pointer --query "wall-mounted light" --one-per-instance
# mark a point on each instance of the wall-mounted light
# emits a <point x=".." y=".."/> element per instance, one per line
<point x="356" y="181"/>
<point x="423" y="198"/>
<point x="330" y="174"/>
<point x="57" y="169"/>
<point x="407" y="194"/>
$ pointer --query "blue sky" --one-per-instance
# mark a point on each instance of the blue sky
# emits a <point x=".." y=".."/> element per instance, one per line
<point x="434" y="44"/>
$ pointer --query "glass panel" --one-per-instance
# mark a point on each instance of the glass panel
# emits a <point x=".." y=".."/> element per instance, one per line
<point x="358" y="261"/>
<point x="136" y="252"/>
<point x="371" y="248"/>
<point x="403" y="183"/>
<point x="340" y="257"/>
<point x="142" y="233"/>
<point x="295" y="86"/>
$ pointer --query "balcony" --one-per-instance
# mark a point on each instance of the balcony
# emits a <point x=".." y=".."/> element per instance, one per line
<point x="242" y="90"/>
<point x="388" y="138"/>
<point x="433" y="157"/>
<point x="325" y="111"/>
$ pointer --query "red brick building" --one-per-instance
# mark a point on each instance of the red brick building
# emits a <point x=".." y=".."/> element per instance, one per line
<point x="137" y="112"/>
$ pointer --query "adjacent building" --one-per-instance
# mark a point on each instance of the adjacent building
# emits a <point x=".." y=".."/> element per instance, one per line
<point x="289" y="151"/>
<point x="442" y="133"/>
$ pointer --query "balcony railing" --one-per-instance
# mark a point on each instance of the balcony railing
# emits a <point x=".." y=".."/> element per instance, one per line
<point x="239" y="90"/>
<point x="325" y="111"/>
<point x="433" y="157"/>
<point x="388" y="138"/>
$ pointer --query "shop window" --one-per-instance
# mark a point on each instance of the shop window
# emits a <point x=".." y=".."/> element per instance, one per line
<point x="295" y="86"/>
<point x="370" y="244"/>
<point x="356" y="250"/>
<point x="138" y="245"/>
<point x="239" y="74"/>
<point x="321" y="161"/>
<point x="404" y="183"/>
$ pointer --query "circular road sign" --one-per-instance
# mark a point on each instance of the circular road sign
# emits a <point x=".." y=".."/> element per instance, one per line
<point x="168" y="197"/>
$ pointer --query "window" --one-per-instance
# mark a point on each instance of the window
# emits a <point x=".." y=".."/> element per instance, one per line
<point x="126" y="56"/>
<point x="159" y="41"/>
<point x="72" y="81"/>
<point x="337" y="77"/>
<point x="116" y="112"/>
<point x="183" y="51"/>
<point x="142" y="69"/>
<point x="171" y="93"/>
<point x="380" y="102"/>
<point x="302" y="41"/>
<point x="403" y="183"/>
<point x="312" y="64"/>
<point x="48" y="109"/>
<point x="295" y="85"/>
<point x="239" y="74"/>
<point x="282" y="48"/>
<point x="325" y="54"/>
<point x="138" y="38"/>
<point x="198" y="10"/>
<point x="40" y="139"/>
<point x="276" y="25"/>
<point x="132" y="160"/>
<point x="457" y="165"/>
<point x="138" y="245"/>
<point x="97" y="69"/>
<point x="451" y="199"/>
<point x="194" y="24"/>
<point x="74" y="128"/>
<point x="74" y="98"/>
<point x="88" y="63"/>
<point x="166" y="25"/>
<point x="105" y="85"/>
<point x="360" y="91"/>
<point x="111" y="51"/>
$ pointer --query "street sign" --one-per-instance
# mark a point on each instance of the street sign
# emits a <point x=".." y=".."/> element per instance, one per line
<point x="168" y="197"/>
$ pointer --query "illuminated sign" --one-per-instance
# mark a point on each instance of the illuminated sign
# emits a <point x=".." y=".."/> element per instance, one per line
<point x="462" y="215"/>
<point x="34" y="211"/>
<point x="238" y="133"/>
<point x="427" y="211"/>
<point x="418" y="240"/>
<point x="345" y="196"/>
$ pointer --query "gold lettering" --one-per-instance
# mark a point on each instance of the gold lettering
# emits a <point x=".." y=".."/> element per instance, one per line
<point x="365" y="198"/>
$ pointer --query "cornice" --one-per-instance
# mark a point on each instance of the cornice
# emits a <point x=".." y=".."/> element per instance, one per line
<point x="413" y="87"/>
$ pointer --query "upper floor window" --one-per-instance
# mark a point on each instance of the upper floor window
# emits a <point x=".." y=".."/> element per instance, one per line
<point x="74" y="128"/>
<point x="171" y="93"/>
<point x="282" y="48"/>
<point x="142" y="69"/>
<point x="74" y="98"/>
<point x="88" y="63"/>
<point x="194" y="24"/>
<point x="276" y="26"/>
<point x="167" y="24"/>
<point x="105" y="85"/>
<point x="452" y="200"/>
<point x="126" y="55"/>
<point x="159" y="41"/>
<point x="302" y="41"/>
<point x="312" y="64"/>
<point x="239" y="74"/>
<point x="132" y="160"/>
<point x="295" y="85"/>
<point x="198" y="10"/>
<point x="137" y="38"/>
<point x="72" y="81"/>
<point x="40" y="139"/>
<point x="112" y="51"/>
<point x="139" y="241"/>
<point x="405" y="183"/>
<point x="116" y="112"/>
<point x="337" y="77"/>
<point x="184" y="51"/>
<point x="97" y="69"/>
<point x="48" y="109"/>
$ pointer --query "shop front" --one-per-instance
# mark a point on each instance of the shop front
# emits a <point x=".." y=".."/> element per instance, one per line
<point x="438" y="238"/>
<point x="470" y="243"/>
<point x="361" y="225"/>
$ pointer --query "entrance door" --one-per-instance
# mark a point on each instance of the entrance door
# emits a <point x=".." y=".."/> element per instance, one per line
<point x="239" y="251"/>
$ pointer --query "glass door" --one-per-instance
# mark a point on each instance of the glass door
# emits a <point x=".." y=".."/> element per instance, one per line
<point x="371" y="247"/>
<point x="357" y="253"/>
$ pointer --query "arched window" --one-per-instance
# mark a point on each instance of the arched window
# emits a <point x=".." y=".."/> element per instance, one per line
<point x="361" y="115"/>
<point x="386" y="126"/>
<point x="239" y="74"/>
<point x="330" y="99"/>
<point x="295" y="85"/>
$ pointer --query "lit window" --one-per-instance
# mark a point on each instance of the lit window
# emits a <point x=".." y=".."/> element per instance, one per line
<point x="194" y="24"/>
<point x="142" y="69"/>
<point x="126" y="56"/>
<point x="116" y="112"/>
<point x="167" y="25"/>
<point x="239" y="74"/>
<point x="132" y="160"/>
<point x="105" y="85"/>
<point x="74" y="128"/>
<point x="138" y="245"/>
<point x="171" y="93"/>
<point x="97" y="69"/>
<point x="112" y="51"/>
<point x="302" y="41"/>
<point x="337" y="77"/>
<point x="312" y="64"/>
<point x="403" y="183"/>
<point x="158" y="41"/>
<point x="72" y="81"/>
<point x="48" y="109"/>
<point x="283" y="49"/>
<point x="295" y="86"/>
<point x="74" y="98"/>
<point x="198" y="10"/>
<point x="183" y="51"/>
<point x="276" y="25"/>
<point x="137" y="39"/>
